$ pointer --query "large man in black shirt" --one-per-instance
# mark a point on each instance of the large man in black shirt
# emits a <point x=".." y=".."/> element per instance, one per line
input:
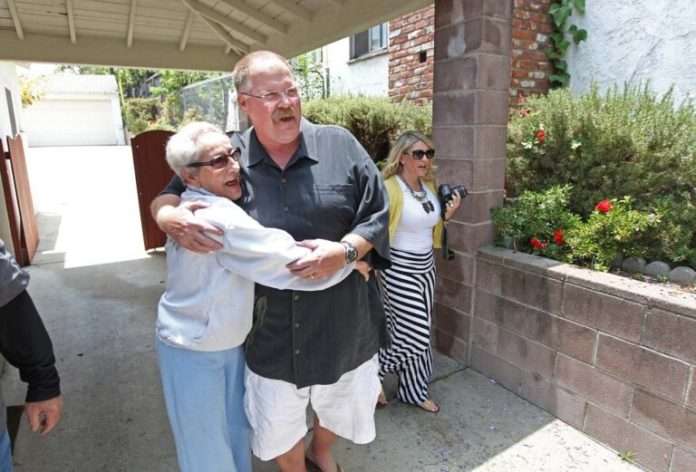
<point x="319" y="184"/>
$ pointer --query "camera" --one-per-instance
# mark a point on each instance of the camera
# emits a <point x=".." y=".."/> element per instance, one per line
<point x="445" y="193"/>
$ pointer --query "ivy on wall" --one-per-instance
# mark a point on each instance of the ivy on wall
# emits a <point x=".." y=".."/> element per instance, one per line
<point x="561" y="11"/>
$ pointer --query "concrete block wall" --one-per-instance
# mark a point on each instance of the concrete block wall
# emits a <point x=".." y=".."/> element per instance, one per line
<point x="612" y="356"/>
<point x="411" y="50"/>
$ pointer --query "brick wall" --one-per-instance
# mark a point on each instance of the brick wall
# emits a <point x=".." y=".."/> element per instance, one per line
<point x="612" y="356"/>
<point x="411" y="56"/>
<point x="531" y="27"/>
<point x="411" y="53"/>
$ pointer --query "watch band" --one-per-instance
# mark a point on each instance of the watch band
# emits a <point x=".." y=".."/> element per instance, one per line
<point x="350" y="251"/>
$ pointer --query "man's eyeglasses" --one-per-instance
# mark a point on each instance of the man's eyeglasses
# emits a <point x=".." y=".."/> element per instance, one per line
<point x="219" y="162"/>
<point x="419" y="154"/>
<point x="274" y="97"/>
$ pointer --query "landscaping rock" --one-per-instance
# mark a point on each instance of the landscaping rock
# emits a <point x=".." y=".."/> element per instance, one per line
<point x="657" y="269"/>
<point x="616" y="263"/>
<point x="634" y="265"/>
<point x="683" y="275"/>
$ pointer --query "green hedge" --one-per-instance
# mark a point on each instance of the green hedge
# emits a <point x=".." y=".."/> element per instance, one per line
<point x="624" y="143"/>
<point x="375" y="122"/>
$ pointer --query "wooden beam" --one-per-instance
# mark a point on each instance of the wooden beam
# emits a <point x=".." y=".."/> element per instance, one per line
<point x="131" y="24"/>
<point x="71" y="20"/>
<point x="187" y="31"/>
<point x="95" y="50"/>
<point x="15" y="18"/>
<point x="225" y="21"/>
<point x="226" y="37"/>
<point x="298" y="11"/>
<point x="255" y="14"/>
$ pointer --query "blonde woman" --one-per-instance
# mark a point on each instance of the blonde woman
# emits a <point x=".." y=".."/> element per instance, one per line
<point x="415" y="229"/>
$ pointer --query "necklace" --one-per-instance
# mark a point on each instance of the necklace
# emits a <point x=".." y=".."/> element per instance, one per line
<point x="421" y="197"/>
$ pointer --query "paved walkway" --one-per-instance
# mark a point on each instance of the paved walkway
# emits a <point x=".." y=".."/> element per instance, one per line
<point x="101" y="312"/>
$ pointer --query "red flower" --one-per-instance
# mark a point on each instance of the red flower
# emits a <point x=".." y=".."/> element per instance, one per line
<point x="559" y="237"/>
<point x="605" y="206"/>
<point x="540" y="135"/>
<point x="537" y="244"/>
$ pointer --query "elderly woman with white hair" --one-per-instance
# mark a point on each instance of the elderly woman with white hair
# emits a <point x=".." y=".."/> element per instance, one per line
<point x="205" y="313"/>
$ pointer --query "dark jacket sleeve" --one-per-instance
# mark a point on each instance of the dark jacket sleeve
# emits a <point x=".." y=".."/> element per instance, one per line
<point x="26" y="345"/>
<point x="174" y="187"/>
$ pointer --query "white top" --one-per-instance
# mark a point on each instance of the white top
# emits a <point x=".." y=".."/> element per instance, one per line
<point x="415" y="230"/>
<point x="209" y="300"/>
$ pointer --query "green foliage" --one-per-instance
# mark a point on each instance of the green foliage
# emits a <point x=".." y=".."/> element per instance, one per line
<point x="310" y="76"/>
<point x="626" y="142"/>
<point x="375" y="122"/>
<point x="540" y="215"/>
<point x="606" y="236"/>
<point x="142" y="113"/>
<point x="561" y="11"/>
<point x="149" y="99"/>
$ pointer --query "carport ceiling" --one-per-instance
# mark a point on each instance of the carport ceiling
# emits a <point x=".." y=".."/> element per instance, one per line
<point x="180" y="34"/>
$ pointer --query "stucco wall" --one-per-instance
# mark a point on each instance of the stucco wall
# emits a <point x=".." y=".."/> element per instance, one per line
<point x="631" y="40"/>
<point x="368" y="76"/>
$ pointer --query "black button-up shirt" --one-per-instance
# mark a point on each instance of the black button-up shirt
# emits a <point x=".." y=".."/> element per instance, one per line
<point x="330" y="187"/>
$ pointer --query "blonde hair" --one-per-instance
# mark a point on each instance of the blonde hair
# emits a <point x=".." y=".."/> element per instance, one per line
<point x="401" y="146"/>
<point x="242" y="70"/>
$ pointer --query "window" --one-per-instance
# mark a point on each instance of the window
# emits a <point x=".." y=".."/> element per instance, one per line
<point x="369" y="41"/>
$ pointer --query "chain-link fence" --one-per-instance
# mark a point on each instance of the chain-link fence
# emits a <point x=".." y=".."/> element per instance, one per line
<point x="214" y="101"/>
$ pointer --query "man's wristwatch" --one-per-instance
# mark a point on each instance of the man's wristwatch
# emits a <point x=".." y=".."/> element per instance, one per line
<point x="351" y="252"/>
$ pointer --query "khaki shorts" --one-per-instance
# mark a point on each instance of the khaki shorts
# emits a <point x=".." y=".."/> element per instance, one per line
<point x="277" y="410"/>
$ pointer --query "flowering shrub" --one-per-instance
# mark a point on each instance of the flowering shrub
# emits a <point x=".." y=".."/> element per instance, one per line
<point x="541" y="223"/>
<point x="613" y="230"/>
<point x="626" y="142"/>
<point x="536" y="222"/>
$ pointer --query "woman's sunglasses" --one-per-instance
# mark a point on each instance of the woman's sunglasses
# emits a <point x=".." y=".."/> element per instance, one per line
<point x="419" y="154"/>
<point x="219" y="162"/>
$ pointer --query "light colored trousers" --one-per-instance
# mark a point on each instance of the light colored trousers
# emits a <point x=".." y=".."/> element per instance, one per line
<point x="5" y="451"/>
<point x="204" y="394"/>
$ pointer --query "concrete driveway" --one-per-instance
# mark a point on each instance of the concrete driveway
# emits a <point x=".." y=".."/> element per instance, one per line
<point x="97" y="292"/>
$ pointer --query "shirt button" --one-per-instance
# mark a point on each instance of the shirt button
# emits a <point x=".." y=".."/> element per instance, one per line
<point x="286" y="208"/>
<point x="297" y="352"/>
<point x="284" y="180"/>
<point x="296" y="297"/>
<point x="297" y="325"/>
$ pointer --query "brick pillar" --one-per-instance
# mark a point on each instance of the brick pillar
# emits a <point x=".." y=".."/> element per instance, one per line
<point x="470" y="108"/>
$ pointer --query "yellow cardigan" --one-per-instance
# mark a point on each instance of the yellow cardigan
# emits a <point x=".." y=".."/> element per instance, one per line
<point x="396" y="205"/>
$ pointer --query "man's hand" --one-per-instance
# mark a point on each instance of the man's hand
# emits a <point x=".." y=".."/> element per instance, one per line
<point x="44" y="416"/>
<point x="186" y="229"/>
<point x="364" y="268"/>
<point x="326" y="258"/>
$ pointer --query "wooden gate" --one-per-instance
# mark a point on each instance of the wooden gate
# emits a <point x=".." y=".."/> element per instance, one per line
<point x="20" y="207"/>
<point x="152" y="173"/>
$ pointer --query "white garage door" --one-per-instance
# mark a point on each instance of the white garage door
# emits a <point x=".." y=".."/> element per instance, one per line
<point x="70" y="123"/>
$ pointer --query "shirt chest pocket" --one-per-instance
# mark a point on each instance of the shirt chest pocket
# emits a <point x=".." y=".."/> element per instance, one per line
<point x="337" y="200"/>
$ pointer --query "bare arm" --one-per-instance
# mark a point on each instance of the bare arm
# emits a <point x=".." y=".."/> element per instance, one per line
<point x="179" y="222"/>
<point x="327" y="257"/>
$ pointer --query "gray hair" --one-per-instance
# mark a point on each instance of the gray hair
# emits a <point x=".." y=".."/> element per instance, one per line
<point x="183" y="147"/>
<point x="242" y="70"/>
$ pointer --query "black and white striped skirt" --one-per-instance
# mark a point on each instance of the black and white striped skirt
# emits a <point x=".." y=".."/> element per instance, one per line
<point x="409" y="286"/>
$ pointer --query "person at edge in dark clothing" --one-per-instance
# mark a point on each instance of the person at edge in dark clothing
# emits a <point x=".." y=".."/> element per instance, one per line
<point x="318" y="184"/>
<point x="26" y="345"/>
